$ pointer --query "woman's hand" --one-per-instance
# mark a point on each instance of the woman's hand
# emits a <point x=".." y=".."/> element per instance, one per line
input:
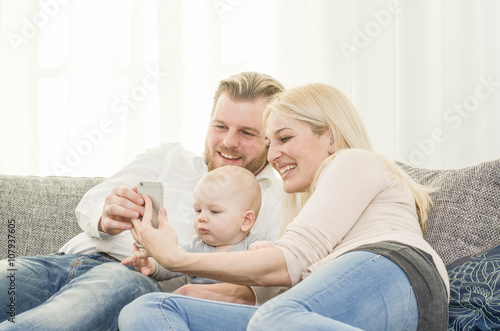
<point x="159" y="243"/>
<point x="261" y="244"/>
<point x="146" y="266"/>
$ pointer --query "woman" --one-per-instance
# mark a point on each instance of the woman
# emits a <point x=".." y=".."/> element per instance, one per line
<point x="354" y="255"/>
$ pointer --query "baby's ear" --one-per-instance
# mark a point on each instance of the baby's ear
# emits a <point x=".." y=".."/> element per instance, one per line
<point x="248" y="221"/>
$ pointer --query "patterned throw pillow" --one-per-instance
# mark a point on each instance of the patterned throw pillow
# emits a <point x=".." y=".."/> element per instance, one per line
<point x="465" y="219"/>
<point x="475" y="291"/>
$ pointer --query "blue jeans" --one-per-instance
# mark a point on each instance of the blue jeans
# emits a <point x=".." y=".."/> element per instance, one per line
<point x="358" y="290"/>
<point x="68" y="292"/>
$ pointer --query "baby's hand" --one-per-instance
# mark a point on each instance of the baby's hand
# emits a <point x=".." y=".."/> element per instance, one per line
<point x="261" y="244"/>
<point x="147" y="266"/>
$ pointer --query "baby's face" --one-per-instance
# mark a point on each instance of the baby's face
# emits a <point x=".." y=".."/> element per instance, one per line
<point x="218" y="216"/>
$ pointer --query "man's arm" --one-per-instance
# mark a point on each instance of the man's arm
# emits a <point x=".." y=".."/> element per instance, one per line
<point x="104" y="207"/>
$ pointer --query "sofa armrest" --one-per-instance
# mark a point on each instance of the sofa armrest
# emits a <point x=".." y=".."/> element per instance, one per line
<point x="39" y="212"/>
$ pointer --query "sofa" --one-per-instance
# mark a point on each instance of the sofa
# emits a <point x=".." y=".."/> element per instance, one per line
<point x="37" y="217"/>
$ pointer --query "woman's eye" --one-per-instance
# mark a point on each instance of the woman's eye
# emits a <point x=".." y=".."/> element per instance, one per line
<point x="284" y="139"/>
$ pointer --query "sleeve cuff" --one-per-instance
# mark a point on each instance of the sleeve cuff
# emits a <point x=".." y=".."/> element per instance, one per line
<point x="157" y="270"/>
<point x="94" y="223"/>
<point x="263" y="294"/>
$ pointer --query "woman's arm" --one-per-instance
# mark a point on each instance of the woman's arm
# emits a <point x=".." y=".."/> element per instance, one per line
<point x="345" y="188"/>
<point x="263" y="267"/>
<point x="220" y="292"/>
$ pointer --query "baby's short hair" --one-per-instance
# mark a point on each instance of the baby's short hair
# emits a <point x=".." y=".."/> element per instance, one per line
<point x="243" y="182"/>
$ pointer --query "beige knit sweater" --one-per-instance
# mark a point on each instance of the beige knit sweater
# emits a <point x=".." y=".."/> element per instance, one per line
<point x="356" y="202"/>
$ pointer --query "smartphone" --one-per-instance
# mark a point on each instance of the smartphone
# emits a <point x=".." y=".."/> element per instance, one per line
<point x="155" y="191"/>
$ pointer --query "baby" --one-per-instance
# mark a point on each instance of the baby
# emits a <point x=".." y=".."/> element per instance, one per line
<point x="226" y="203"/>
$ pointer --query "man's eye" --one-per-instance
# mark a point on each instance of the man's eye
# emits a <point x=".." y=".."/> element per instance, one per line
<point x="220" y="127"/>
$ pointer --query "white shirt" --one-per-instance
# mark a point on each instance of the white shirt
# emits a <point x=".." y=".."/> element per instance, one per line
<point x="179" y="171"/>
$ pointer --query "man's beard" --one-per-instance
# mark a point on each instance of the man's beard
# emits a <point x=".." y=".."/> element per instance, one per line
<point x="255" y="165"/>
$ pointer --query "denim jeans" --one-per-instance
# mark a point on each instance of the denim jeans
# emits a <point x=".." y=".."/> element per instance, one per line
<point x="356" y="291"/>
<point x="68" y="292"/>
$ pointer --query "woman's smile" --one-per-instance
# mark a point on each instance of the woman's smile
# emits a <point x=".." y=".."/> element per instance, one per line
<point x="295" y="151"/>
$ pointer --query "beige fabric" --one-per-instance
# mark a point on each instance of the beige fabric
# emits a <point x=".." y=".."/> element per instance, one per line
<point x="356" y="202"/>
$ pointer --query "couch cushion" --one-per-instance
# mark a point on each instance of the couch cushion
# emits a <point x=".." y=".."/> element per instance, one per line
<point x="475" y="291"/>
<point x="465" y="216"/>
<point x="43" y="210"/>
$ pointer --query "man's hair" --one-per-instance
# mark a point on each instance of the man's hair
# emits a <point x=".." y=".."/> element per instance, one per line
<point x="248" y="86"/>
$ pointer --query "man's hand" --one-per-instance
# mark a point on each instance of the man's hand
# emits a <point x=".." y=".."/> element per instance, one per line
<point x="147" y="266"/>
<point x="122" y="205"/>
<point x="219" y="292"/>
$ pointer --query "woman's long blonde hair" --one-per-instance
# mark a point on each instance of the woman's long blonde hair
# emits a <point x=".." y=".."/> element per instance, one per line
<point x="324" y="108"/>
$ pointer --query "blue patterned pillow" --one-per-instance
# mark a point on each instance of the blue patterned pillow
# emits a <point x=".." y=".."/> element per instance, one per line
<point x="475" y="291"/>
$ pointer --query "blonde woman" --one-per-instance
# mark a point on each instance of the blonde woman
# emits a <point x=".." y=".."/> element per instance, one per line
<point x="354" y="255"/>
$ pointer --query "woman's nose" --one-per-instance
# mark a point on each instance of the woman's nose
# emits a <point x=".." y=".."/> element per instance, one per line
<point x="273" y="153"/>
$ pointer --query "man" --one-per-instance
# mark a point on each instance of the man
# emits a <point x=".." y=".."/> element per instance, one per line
<point x="83" y="287"/>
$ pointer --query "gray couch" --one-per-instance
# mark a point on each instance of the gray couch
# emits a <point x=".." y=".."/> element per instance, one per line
<point x="41" y="212"/>
<point x="465" y="217"/>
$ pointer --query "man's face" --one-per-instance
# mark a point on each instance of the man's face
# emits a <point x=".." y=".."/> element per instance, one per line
<point x="236" y="135"/>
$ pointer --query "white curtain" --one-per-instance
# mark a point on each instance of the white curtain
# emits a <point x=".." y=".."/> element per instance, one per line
<point x="85" y="85"/>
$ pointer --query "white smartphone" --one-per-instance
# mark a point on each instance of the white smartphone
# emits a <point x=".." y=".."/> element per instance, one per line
<point x="155" y="191"/>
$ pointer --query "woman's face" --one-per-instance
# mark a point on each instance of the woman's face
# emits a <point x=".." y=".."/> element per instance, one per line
<point x="295" y="151"/>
